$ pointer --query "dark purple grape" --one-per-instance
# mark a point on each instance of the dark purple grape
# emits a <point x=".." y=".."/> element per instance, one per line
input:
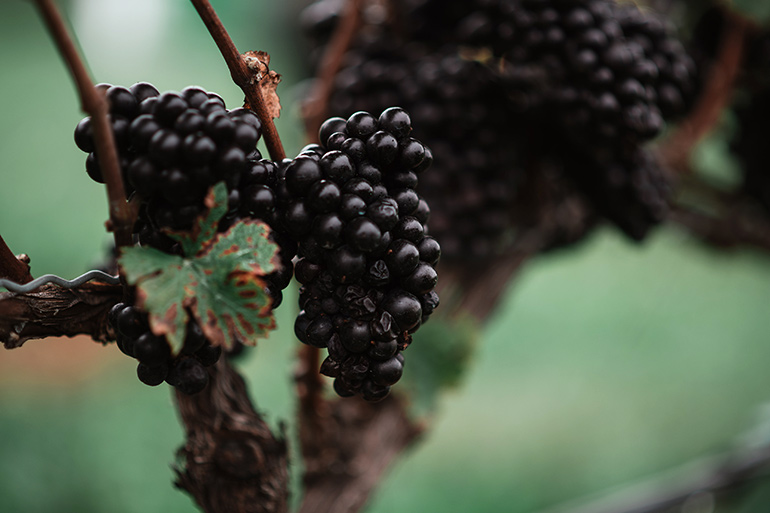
<point x="362" y="234"/>
<point x="430" y="251"/>
<point x="208" y="355"/>
<point x="131" y="322"/>
<point x="143" y="90"/>
<point x="402" y="257"/>
<point x="122" y="102"/>
<point x="169" y="106"/>
<point x="347" y="265"/>
<point x="361" y="125"/>
<point x="421" y="280"/>
<point x="151" y="376"/>
<point x="410" y="229"/>
<point x="329" y="127"/>
<point x="189" y="376"/>
<point x="355" y="336"/>
<point x="387" y="372"/>
<point x="405" y="309"/>
<point x="301" y="174"/>
<point x="411" y="153"/>
<point x="337" y="167"/>
<point x="327" y="230"/>
<point x="152" y="350"/>
<point x="396" y="121"/>
<point x="324" y="196"/>
<point x="384" y="213"/>
<point x="351" y="206"/>
<point x="84" y="135"/>
<point x="319" y="330"/>
<point x="382" y="148"/>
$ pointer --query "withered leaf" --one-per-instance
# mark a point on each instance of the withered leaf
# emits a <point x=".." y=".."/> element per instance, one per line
<point x="219" y="281"/>
<point x="266" y="79"/>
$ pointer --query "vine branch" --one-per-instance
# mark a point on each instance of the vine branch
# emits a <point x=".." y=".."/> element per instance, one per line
<point x="716" y="95"/>
<point x="346" y="459"/>
<point x="55" y="311"/>
<point x="11" y="267"/>
<point x="231" y="462"/>
<point x="242" y="76"/>
<point x="94" y="103"/>
<point x="316" y="109"/>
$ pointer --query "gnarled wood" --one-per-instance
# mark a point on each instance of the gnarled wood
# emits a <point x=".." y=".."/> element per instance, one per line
<point x="347" y="453"/>
<point x="231" y="462"/>
<point x="55" y="311"/>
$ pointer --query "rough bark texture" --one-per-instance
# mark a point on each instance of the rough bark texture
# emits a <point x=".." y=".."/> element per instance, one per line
<point x="347" y="449"/>
<point x="55" y="311"/>
<point x="231" y="462"/>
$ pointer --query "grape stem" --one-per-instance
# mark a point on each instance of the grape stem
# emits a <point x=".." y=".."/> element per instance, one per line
<point x="316" y="108"/>
<point x="242" y="76"/>
<point x="94" y="103"/>
<point x="11" y="267"/>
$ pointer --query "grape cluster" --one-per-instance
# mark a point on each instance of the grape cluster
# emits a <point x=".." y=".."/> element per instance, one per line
<point x="185" y="371"/>
<point x="604" y="70"/>
<point x="473" y="185"/>
<point x="631" y="191"/>
<point x="366" y="265"/>
<point x="173" y="147"/>
<point x="490" y="80"/>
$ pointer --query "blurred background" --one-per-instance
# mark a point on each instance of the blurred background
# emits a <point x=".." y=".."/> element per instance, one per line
<point x="607" y="365"/>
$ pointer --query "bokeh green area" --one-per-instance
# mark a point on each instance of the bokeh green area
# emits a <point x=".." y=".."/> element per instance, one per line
<point x="605" y="364"/>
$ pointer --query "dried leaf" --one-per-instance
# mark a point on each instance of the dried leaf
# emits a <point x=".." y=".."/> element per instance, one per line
<point x="267" y="81"/>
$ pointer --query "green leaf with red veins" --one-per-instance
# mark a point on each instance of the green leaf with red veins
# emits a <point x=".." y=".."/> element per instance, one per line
<point x="222" y="286"/>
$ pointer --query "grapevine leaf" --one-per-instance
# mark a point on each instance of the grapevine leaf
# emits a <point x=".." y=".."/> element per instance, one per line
<point x="161" y="278"/>
<point x="247" y="246"/>
<point x="222" y="287"/>
<point x="436" y="361"/>
<point x="236" y="260"/>
<point x="205" y="226"/>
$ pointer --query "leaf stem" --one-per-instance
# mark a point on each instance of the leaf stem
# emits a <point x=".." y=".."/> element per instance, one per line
<point x="94" y="103"/>
<point x="241" y="75"/>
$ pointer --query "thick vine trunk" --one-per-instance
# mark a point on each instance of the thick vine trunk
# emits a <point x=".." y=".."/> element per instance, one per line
<point x="231" y="462"/>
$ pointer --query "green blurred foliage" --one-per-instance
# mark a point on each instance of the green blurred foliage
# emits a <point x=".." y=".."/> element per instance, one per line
<point x="758" y="10"/>
<point x="606" y="364"/>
